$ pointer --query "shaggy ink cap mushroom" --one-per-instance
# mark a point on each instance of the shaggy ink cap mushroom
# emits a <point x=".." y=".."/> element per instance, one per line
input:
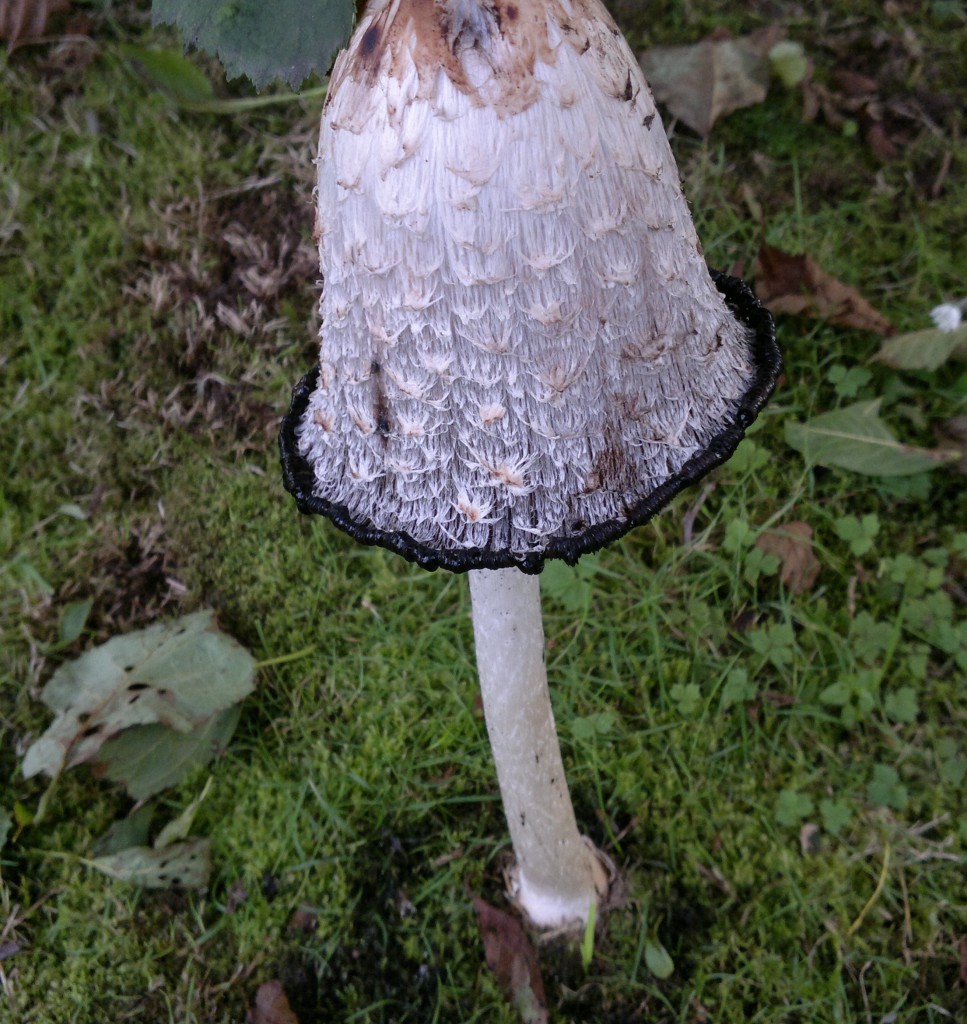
<point x="523" y="353"/>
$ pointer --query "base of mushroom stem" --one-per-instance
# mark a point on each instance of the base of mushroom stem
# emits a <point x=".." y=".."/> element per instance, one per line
<point x="547" y="911"/>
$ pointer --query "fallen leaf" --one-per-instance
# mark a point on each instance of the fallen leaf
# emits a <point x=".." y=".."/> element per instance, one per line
<point x="176" y="674"/>
<point x="855" y="438"/>
<point x="798" y="286"/>
<point x="178" y="828"/>
<point x="125" y="833"/>
<point x="882" y="146"/>
<point x="854" y="85"/>
<point x="271" y="1006"/>
<point x="146" y="759"/>
<point x="792" y="544"/>
<point x="23" y="20"/>
<point x="183" y="864"/>
<point x="922" y="350"/>
<point x="511" y="957"/>
<point x="810" y="839"/>
<point x="9" y="949"/>
<point x="701" y="83"/>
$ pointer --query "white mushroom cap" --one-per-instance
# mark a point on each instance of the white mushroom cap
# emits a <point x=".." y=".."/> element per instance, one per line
<point x="523" y="353"/>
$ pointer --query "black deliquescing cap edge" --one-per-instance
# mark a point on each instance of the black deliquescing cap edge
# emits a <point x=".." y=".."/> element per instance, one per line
<point x="299" y="478"/>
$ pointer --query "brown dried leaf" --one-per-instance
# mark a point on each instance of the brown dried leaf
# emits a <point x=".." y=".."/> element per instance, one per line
<point x="810" y="839"/>
<point x="271" y="1006"/>
<point x="23" y="20"/>
<point x="303" y="920"/>
<point x="854" y="85"/>
<point x="792" y="544"/>
<point x="798" y="286"/>
<point x="511" y="957"/>
<point x="701" y="83"/>
<point x="952" y="436"/>
<point x="881" y="145"/>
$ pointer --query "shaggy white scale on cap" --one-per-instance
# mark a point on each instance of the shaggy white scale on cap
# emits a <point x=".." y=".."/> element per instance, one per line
<point x="520" y="338"/>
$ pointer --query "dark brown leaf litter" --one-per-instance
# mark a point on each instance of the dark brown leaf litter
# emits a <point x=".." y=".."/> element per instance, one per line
<point x="271" y="1006"/>
<point x="513" y="960"/>
<point x="229" y="262"/>
<point x="229" y="277"/>
<point x="792" y="544"/>
<point x="131" y="577"/>
<point x="795" y="284"/>
<point x="887" y="81"/>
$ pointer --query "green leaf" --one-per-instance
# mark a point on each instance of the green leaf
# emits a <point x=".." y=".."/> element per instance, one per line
<point x="836" y="815"/>
<point x="149" y="758"/>
<point x="177" y="674"/>
<point x="600" y="723"/>
<point x="837" y="694"/>
<point x="848" y="381"/>
<point x="687" y="698"/>
<point x="748" y="457"/>
<point x="73" y="620"/>
<point x="953" y="769"/>
<point x="738" y="535"/>
<point x="902" y="706"/>
<point x="658" y="960"/>
<point x="6" y="824"/>
<point x="869" y="637"/>
<point x="184" y="864"/>
<point x="738" y="689"/>
<point x="759" y="563"/>
<point x="776" y="643"/>
<point x="855" y="438"/>
<point x="285" y="39"/>
<point x="178" y="828"/>
<point x="22" y="815"/>
<point x="564" y="584"/>
<point x="792" y="807"/>
<point x="172" y="73"/>
<point x="858" y="533"/>
<point x="921" y="350"/>
<point x="125" y="833"/>
<point x="885" y="788"/>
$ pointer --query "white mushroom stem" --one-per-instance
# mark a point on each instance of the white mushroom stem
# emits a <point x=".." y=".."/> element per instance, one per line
<point x="558" y="877"/>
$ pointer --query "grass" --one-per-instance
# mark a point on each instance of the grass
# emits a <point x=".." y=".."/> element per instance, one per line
<point x="779" y="775"/>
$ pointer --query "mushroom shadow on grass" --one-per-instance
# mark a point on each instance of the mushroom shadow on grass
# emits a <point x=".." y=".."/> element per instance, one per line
<point x="523" y="354"/>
